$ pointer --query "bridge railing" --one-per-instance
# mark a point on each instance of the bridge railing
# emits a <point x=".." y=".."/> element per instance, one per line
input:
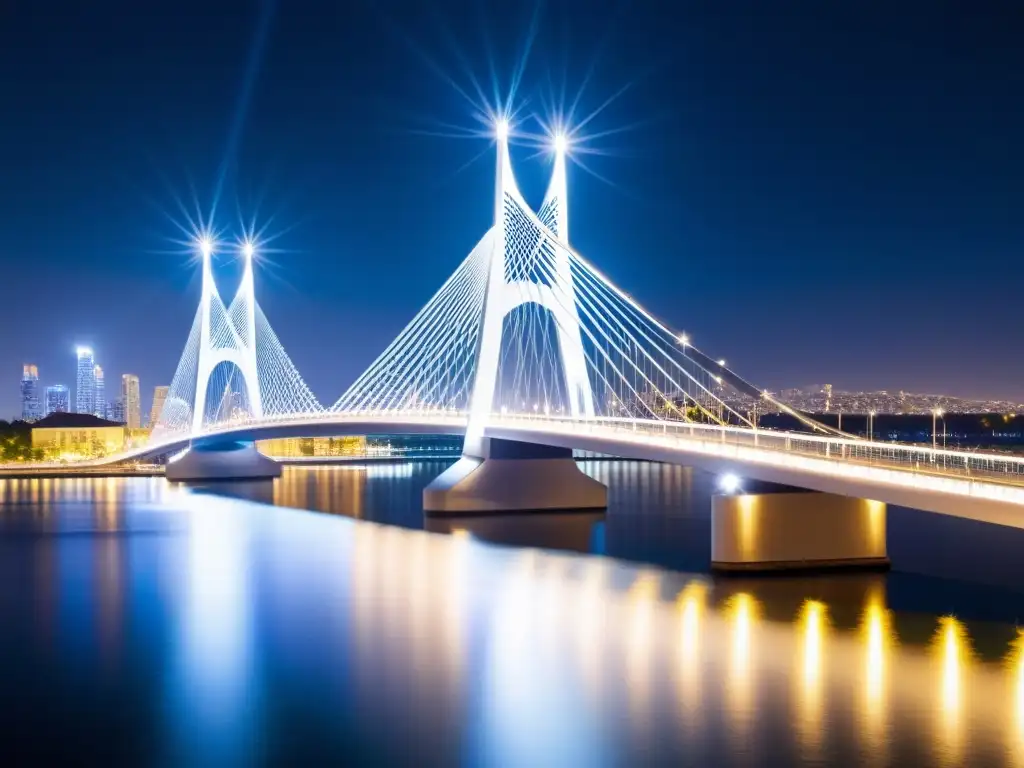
<point x="1008" y="469"/>
<point x="975" y="465"/>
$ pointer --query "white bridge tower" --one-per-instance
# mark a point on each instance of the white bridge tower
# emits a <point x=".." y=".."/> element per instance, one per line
<point x="511" y="246"/>
<point x="225" y="343"/>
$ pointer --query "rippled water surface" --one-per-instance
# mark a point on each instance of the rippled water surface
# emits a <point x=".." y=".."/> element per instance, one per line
<point x="145" y="623"/>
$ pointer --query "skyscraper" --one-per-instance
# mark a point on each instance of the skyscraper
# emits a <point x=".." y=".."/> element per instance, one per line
<point x="159" y="395"/>
<point x="131" y="401"/>
<point x="85" y="384"/>
<point x="116" y="411"/>
<point x="100" y="405"/>
<point x="31" y="408"/>
<point x="57" y="399"/>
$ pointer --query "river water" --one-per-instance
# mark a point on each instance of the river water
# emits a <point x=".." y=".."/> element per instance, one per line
<point x="145" y="623"/>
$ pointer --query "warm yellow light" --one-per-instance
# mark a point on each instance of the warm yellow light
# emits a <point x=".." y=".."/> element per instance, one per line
<point x="813" y="620"/>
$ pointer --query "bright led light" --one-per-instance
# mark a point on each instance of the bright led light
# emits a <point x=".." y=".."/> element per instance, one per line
<point x="684" y="339"/>
<point x="722" y="363"/>
<point x="729" y="483"/>
<point x="205" y="244"/>
<point x="561" y="143"/>
<point x="80" y="351"/>
<point x="248" y="249"/>
<point x="501" y="128"/>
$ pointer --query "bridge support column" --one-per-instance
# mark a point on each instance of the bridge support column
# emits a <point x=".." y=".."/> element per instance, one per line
<point x="222" y="461"/>
<point x="514" y="477"/>
<point x="796" y="530"/>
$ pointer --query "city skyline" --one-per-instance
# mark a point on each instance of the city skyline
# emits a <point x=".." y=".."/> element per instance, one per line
<point x="127" y="406"/>
<point x="766" y="228"/>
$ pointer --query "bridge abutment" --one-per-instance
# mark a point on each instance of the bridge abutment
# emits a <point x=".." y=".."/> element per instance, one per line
<point x="234" y="460"/>
<point x="514" y="477"/>
<point x="793" y="530"/>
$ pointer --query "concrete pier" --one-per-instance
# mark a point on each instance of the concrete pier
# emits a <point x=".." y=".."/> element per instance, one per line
<point x="514" y="477"/>
<point x="796" y="530"/>
<point x="222" y="461"/>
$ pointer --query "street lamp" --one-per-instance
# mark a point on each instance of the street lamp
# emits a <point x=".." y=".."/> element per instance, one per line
<point x="871" y="425"/>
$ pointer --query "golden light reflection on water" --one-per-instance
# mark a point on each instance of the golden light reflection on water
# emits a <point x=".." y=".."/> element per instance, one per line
<point x="878" y="639"/>
<point x="1014" y="664"/>
<point x="951" y="649"/>
<point x="813" y="625"/>
<point x="742" y="612"/>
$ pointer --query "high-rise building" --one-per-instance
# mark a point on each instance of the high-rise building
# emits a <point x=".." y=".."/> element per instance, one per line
<point x="31" y="408"/>
<point x="85" y="384"/>
<point x="116" y="411"/>
<point x="100" y="408"/>
<point x="159" y="395"/>
<point x="57" y="399"/>
<point x="131" y="401"/>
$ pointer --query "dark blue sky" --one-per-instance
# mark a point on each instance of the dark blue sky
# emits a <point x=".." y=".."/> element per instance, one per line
<point x="815" y="192"/>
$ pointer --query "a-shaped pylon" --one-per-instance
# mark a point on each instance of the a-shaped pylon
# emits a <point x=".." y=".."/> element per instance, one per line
<point x="518" y="246"/>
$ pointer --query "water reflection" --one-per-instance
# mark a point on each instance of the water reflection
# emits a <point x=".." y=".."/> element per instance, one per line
<point x="742" y="611"/>
<point x="813" y="623"/>
<point x="951" y="647"/>
<point x="691" y="604"/>
<point x="208" y="628"/>
<point x="878" y="640"/>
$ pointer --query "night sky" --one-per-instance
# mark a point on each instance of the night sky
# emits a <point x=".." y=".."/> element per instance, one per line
<point x="816" y="193"/>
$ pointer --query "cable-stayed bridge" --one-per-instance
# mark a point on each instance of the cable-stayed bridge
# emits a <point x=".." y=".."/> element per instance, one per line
<point x="528" y="342"/>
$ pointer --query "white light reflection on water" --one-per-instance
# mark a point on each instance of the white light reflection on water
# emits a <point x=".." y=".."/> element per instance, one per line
<point x="214" y="691"/>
